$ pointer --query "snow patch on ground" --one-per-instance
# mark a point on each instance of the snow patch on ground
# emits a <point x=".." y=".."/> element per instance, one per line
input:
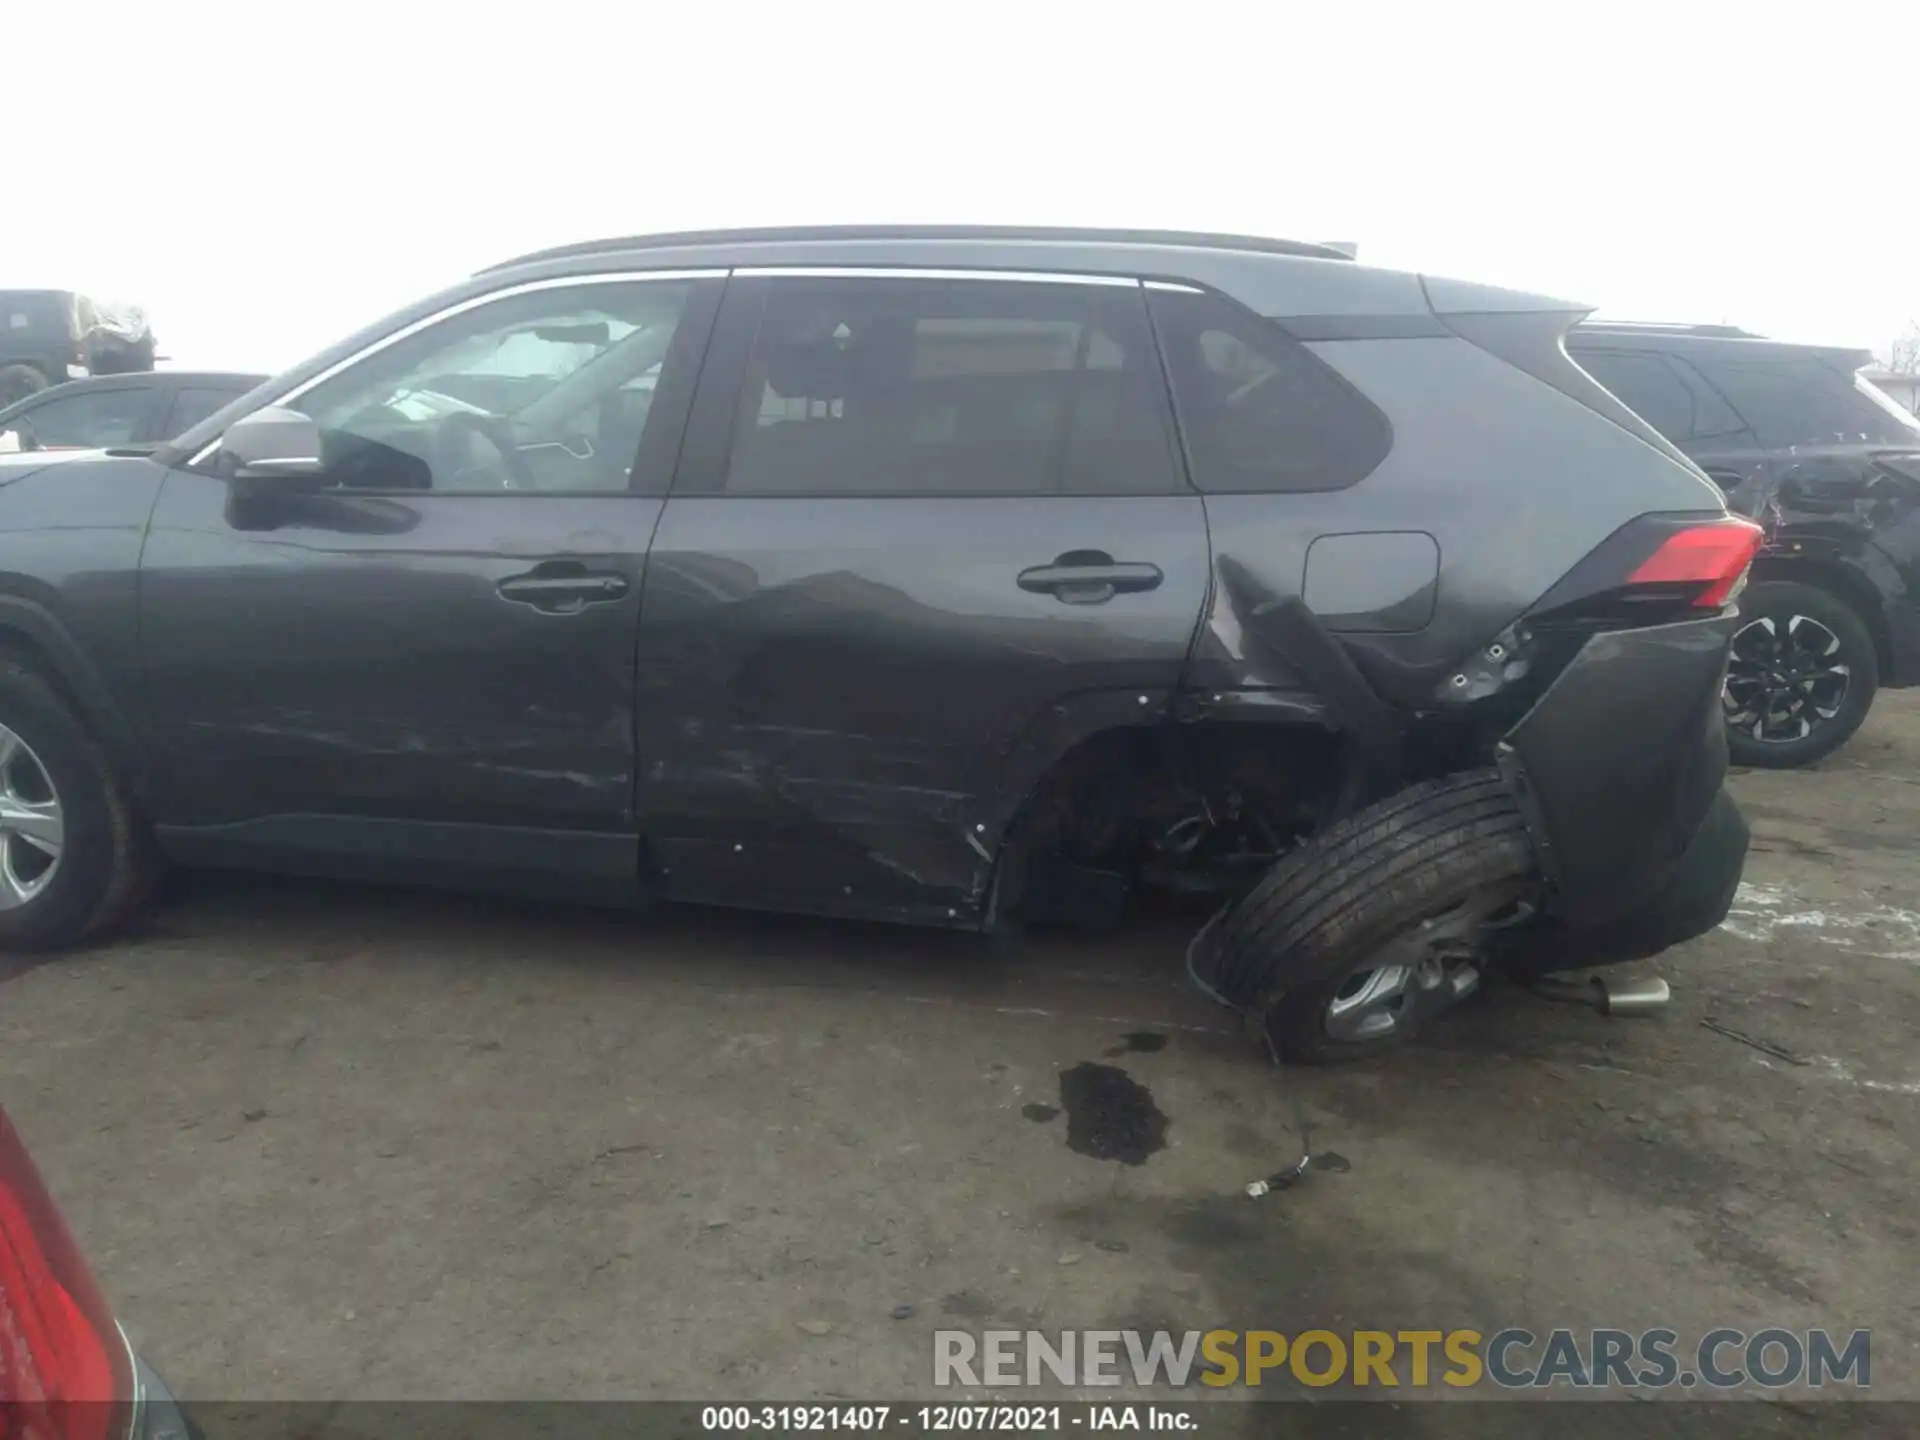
<point x="1886" y="932"/>
<point x="1839" y="1070"/>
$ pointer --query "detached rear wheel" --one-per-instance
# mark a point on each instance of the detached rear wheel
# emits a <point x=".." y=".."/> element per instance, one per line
<point x="1354" y="943"/>
<point x="1801" y="675"/>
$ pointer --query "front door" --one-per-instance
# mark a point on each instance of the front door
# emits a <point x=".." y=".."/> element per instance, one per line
<point x="928" y="531"/>
<point x="428" y="657"/>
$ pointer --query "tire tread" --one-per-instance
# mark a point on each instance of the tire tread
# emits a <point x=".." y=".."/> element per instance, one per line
<point x="1312" y="916"/>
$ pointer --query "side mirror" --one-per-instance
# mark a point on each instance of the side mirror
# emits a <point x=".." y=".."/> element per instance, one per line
<point x="270" y="444"/>
<point x="18" y="437"/>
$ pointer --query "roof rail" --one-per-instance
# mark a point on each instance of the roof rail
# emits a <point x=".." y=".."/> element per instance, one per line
<point x="1182" y="238"/>
<point x="1660" y="327"/>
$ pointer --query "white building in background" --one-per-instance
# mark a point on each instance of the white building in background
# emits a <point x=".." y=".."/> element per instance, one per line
<point x="1903" y="390"/>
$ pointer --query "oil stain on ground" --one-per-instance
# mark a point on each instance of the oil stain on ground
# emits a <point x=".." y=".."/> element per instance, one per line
<point x="1140" y="1042"/>
<point x="1110" y="1115"/>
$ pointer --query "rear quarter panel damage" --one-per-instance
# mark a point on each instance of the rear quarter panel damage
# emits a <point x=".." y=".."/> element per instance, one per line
<point x="1514" y="481"/>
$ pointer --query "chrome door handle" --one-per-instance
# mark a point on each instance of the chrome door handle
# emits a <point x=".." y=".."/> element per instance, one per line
<point x="1089" y="577"/>
<point x="563" y="588"/>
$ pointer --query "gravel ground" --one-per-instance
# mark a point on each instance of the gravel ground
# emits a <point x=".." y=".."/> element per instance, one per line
<point x="325" y="1141"/>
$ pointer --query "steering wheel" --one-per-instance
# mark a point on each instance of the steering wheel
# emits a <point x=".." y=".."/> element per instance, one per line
<point x="476" y="452"/>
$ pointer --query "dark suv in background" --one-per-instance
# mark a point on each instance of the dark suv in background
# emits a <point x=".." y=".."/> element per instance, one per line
<point x="49" y="336"/>
<point x="1830" y="467"/>
<point x="950" y="576"/>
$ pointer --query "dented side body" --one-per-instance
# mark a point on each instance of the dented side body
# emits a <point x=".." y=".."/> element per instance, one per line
<point x="857" y="705"/>
<point x="1847" y="516"/>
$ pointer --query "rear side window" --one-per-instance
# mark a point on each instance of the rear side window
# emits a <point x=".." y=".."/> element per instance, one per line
<point x="1258" y="410"/>
<point x="918" y="386"/>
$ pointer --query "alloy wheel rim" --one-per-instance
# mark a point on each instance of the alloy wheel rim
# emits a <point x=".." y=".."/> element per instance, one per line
<point x="1428" y="967"/>
<point x="32" y="825"/>
<point x="1785" y="679"/>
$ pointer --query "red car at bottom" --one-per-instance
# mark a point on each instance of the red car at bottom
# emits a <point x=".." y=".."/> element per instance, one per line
<point x="66" y="1370"/>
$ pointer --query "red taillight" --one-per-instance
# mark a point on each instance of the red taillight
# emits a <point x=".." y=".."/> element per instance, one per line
<point x="1714" y="556"/>
<point x="63" y="1366"/>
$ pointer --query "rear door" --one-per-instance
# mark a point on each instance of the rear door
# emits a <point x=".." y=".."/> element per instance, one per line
<point x="928" y="531"/>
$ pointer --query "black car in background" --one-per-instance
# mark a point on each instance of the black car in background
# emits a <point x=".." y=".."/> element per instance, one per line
<point x="119" y="410"/>
<point x="1830" y="467"/>
<point x="49" y="336"/>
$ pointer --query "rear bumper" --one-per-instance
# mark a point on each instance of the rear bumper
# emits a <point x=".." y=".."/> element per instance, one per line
<point x="1694" y="899"/>
<point x="1618" y="768"/>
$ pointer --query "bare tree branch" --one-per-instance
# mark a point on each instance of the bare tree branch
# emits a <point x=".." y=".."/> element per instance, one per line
<point x="1903" y="355"/>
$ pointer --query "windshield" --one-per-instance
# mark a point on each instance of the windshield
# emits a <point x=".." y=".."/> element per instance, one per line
<point x="548" y="351"/>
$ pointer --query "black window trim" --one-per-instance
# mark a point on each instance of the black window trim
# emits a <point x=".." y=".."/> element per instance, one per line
<point x="703" y="305"/>
<point x="707" y="451"/>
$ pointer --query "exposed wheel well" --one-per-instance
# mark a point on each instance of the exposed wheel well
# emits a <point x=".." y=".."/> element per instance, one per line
<point x="19" y="645"/>
<point x="1842" y="582"/>
<point x="77" y="688"/>
<point x="1198" y="808"/>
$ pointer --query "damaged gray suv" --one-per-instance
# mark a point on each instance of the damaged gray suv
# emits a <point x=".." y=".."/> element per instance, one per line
<point x="958" y="577"/>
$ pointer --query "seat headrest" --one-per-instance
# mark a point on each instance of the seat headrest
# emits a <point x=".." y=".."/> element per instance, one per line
<point x="809" y="370"/>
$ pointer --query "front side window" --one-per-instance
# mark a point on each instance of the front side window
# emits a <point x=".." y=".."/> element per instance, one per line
<point x="86" y="421"/>
<point x="911" y="386"/>
<point x="1258" y="410"/>
<point x="545" y="390"/>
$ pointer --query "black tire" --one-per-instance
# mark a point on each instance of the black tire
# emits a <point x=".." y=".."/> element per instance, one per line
<point x="1790" y="606"/>
<point x="106" y="863"/>
<point x="17" y="382"/>
<point x="1454" y="849"/>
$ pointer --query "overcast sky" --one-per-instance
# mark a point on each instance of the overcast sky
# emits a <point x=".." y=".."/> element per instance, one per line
<point x="265" y="179"/>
